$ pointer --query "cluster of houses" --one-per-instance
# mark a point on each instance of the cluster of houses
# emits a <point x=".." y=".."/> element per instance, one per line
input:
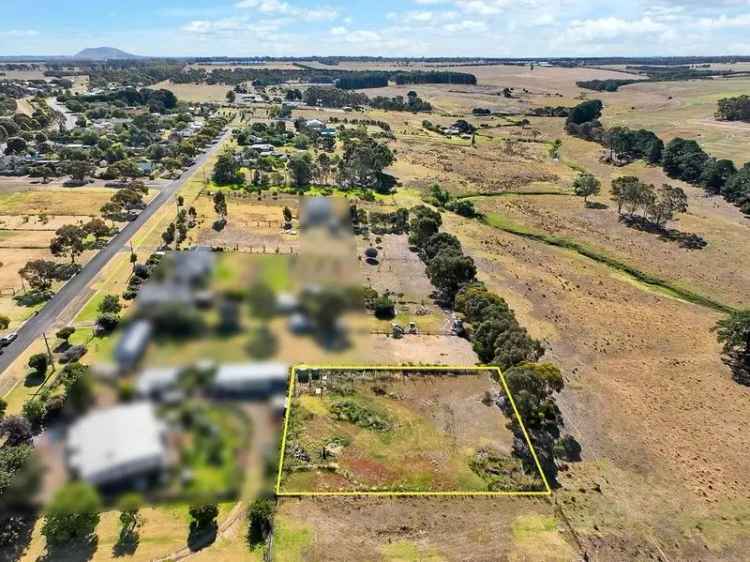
<point x="130" y="444"/>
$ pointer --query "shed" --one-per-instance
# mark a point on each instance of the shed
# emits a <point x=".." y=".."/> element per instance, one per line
<point x="132" y="344"/>
<point x="251" y="379"/>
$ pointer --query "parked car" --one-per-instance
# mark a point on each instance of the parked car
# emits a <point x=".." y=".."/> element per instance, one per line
<point x="8" y="339"/>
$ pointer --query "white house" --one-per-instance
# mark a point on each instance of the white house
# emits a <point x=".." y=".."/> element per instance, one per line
<point x="117" y="445"/>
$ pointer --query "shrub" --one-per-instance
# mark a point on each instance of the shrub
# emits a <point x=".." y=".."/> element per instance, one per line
<point x="260" y="520"/>
<point x="72" y="515"/>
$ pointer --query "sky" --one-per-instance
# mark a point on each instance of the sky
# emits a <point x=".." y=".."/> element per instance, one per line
<point x="452" y="28"/>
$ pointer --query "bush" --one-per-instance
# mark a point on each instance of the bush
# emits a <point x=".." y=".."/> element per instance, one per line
<point x="73" y="354"/>
<point x="385" y="309"/>
<point x="107" y="322"/>
<point x="35" y="410"/>
<point x="65" y="333"/>
<point x="72" y="515"/>
<point x="16" y="430"/>
<point x="39" y="362"/>
<point x="263" y="343"/>
<point x="110" y="305"/>
<point x="260" y="520"/>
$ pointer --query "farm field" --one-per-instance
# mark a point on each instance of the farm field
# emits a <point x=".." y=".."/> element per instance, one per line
<point x="683" y="109"/>
<point x="627" y="314"/>
<point x="196" y="92"/>
<point x="399" y="431"/>
<point x="644" y="378"/>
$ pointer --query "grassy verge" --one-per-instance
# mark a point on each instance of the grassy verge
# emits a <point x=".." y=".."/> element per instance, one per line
<point x="498" y="221"/>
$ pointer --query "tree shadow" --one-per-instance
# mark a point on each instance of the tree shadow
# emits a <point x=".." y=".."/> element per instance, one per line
<point x="34" y="378"/>
<point x="200" y="538"/>
<point x="686" y="240"/>
<point x="77" y="551"/>
<point x="596" y="205"/>
<point x="15" y="535"/>
<point x="126" y="544"/>
<point x="62" y="347"/>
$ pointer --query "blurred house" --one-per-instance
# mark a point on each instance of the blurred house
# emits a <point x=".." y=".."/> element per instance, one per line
<point x="260" y="380"/>
<point x="120" y="445"/>
<point x="132" y="344"/>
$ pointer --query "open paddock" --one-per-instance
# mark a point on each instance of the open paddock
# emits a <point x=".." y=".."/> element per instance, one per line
<point x="399" y="430"/>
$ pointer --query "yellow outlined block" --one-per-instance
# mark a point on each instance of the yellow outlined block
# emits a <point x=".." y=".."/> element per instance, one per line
<point x="293" y="379"/>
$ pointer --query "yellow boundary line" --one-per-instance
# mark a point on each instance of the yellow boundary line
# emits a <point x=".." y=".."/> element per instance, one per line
<point x="293" y="378"/>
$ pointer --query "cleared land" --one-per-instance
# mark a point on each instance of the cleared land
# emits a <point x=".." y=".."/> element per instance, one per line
<point x="400" y="431"/>
<point x="196" y="92"/>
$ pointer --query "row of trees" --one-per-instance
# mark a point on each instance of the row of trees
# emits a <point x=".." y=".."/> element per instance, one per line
<point x="658" y="205"/>
<point x="681" y="159"/>
<point x="498" y="339"/>
<point x="412" y="103"/>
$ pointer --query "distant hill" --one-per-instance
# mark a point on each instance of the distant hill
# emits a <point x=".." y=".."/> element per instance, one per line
<point x="104" y="53"/>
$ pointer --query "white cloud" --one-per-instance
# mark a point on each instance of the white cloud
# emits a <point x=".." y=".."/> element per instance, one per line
<point x="612" y="28"/>
<point x="233" y="25"/>
<point x="20" y="33"/>
<point x="725" y="22"/>
<point x="465" y="26"/>
<point x="320" y="13"/>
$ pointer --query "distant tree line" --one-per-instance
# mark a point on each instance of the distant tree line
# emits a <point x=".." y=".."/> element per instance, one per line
<point x="333" y="97"/>
<point x="435" y="77"/>
<point x="655" y="74"/>
<point x="609" y="85"/>
<point x="397" y="103"/>
<point x="158" y="101"/>
<point x="681" y="159"/>
<point x="549" y="111"/>
<point x="363" y="80"/>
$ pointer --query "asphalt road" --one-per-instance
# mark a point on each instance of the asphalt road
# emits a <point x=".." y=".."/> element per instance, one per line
<point x="45" y="318"/>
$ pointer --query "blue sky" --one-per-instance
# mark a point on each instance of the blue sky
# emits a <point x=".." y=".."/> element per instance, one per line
<point x="385" y="27"/>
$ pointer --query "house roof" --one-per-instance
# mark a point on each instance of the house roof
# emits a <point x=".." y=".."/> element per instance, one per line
<point x="135" y="338"/>
<point x="110" y="444"/>
<point x="233" y="375"/>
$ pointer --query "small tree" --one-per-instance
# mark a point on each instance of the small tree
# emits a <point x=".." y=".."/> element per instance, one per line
<point x="734" y="333"/>
<point x="72" y="515"/>
<point x="68" y="241"/>
<point x="287" y="214"/>
<point x="168" y="236"/>
<point x="39" y="362"/>
<point x="16" y="430"/>
<point x="4" y="322"/>
<point x="63" y="334"/>
<point x="39" y="274"/>
<point x="110" y="304"/>
<point x="130" y="519"/>
<point x="203" y="516"/>
<point x="262" y="300"/>
<point x="260" y="520"/>
<point x="263" y="343"/>
<point x="220" y="205"/>
<point x="586" y="185"/>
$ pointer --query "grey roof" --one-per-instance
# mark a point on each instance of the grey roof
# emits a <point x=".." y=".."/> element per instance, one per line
<point x="116" y="443"/>
<point x="156" y="380"/>
<point x="134" y="341"/>
<point x="244" y="375"/>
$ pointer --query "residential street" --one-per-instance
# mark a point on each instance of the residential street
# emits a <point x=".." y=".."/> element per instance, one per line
<point x="46" y="317"/>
